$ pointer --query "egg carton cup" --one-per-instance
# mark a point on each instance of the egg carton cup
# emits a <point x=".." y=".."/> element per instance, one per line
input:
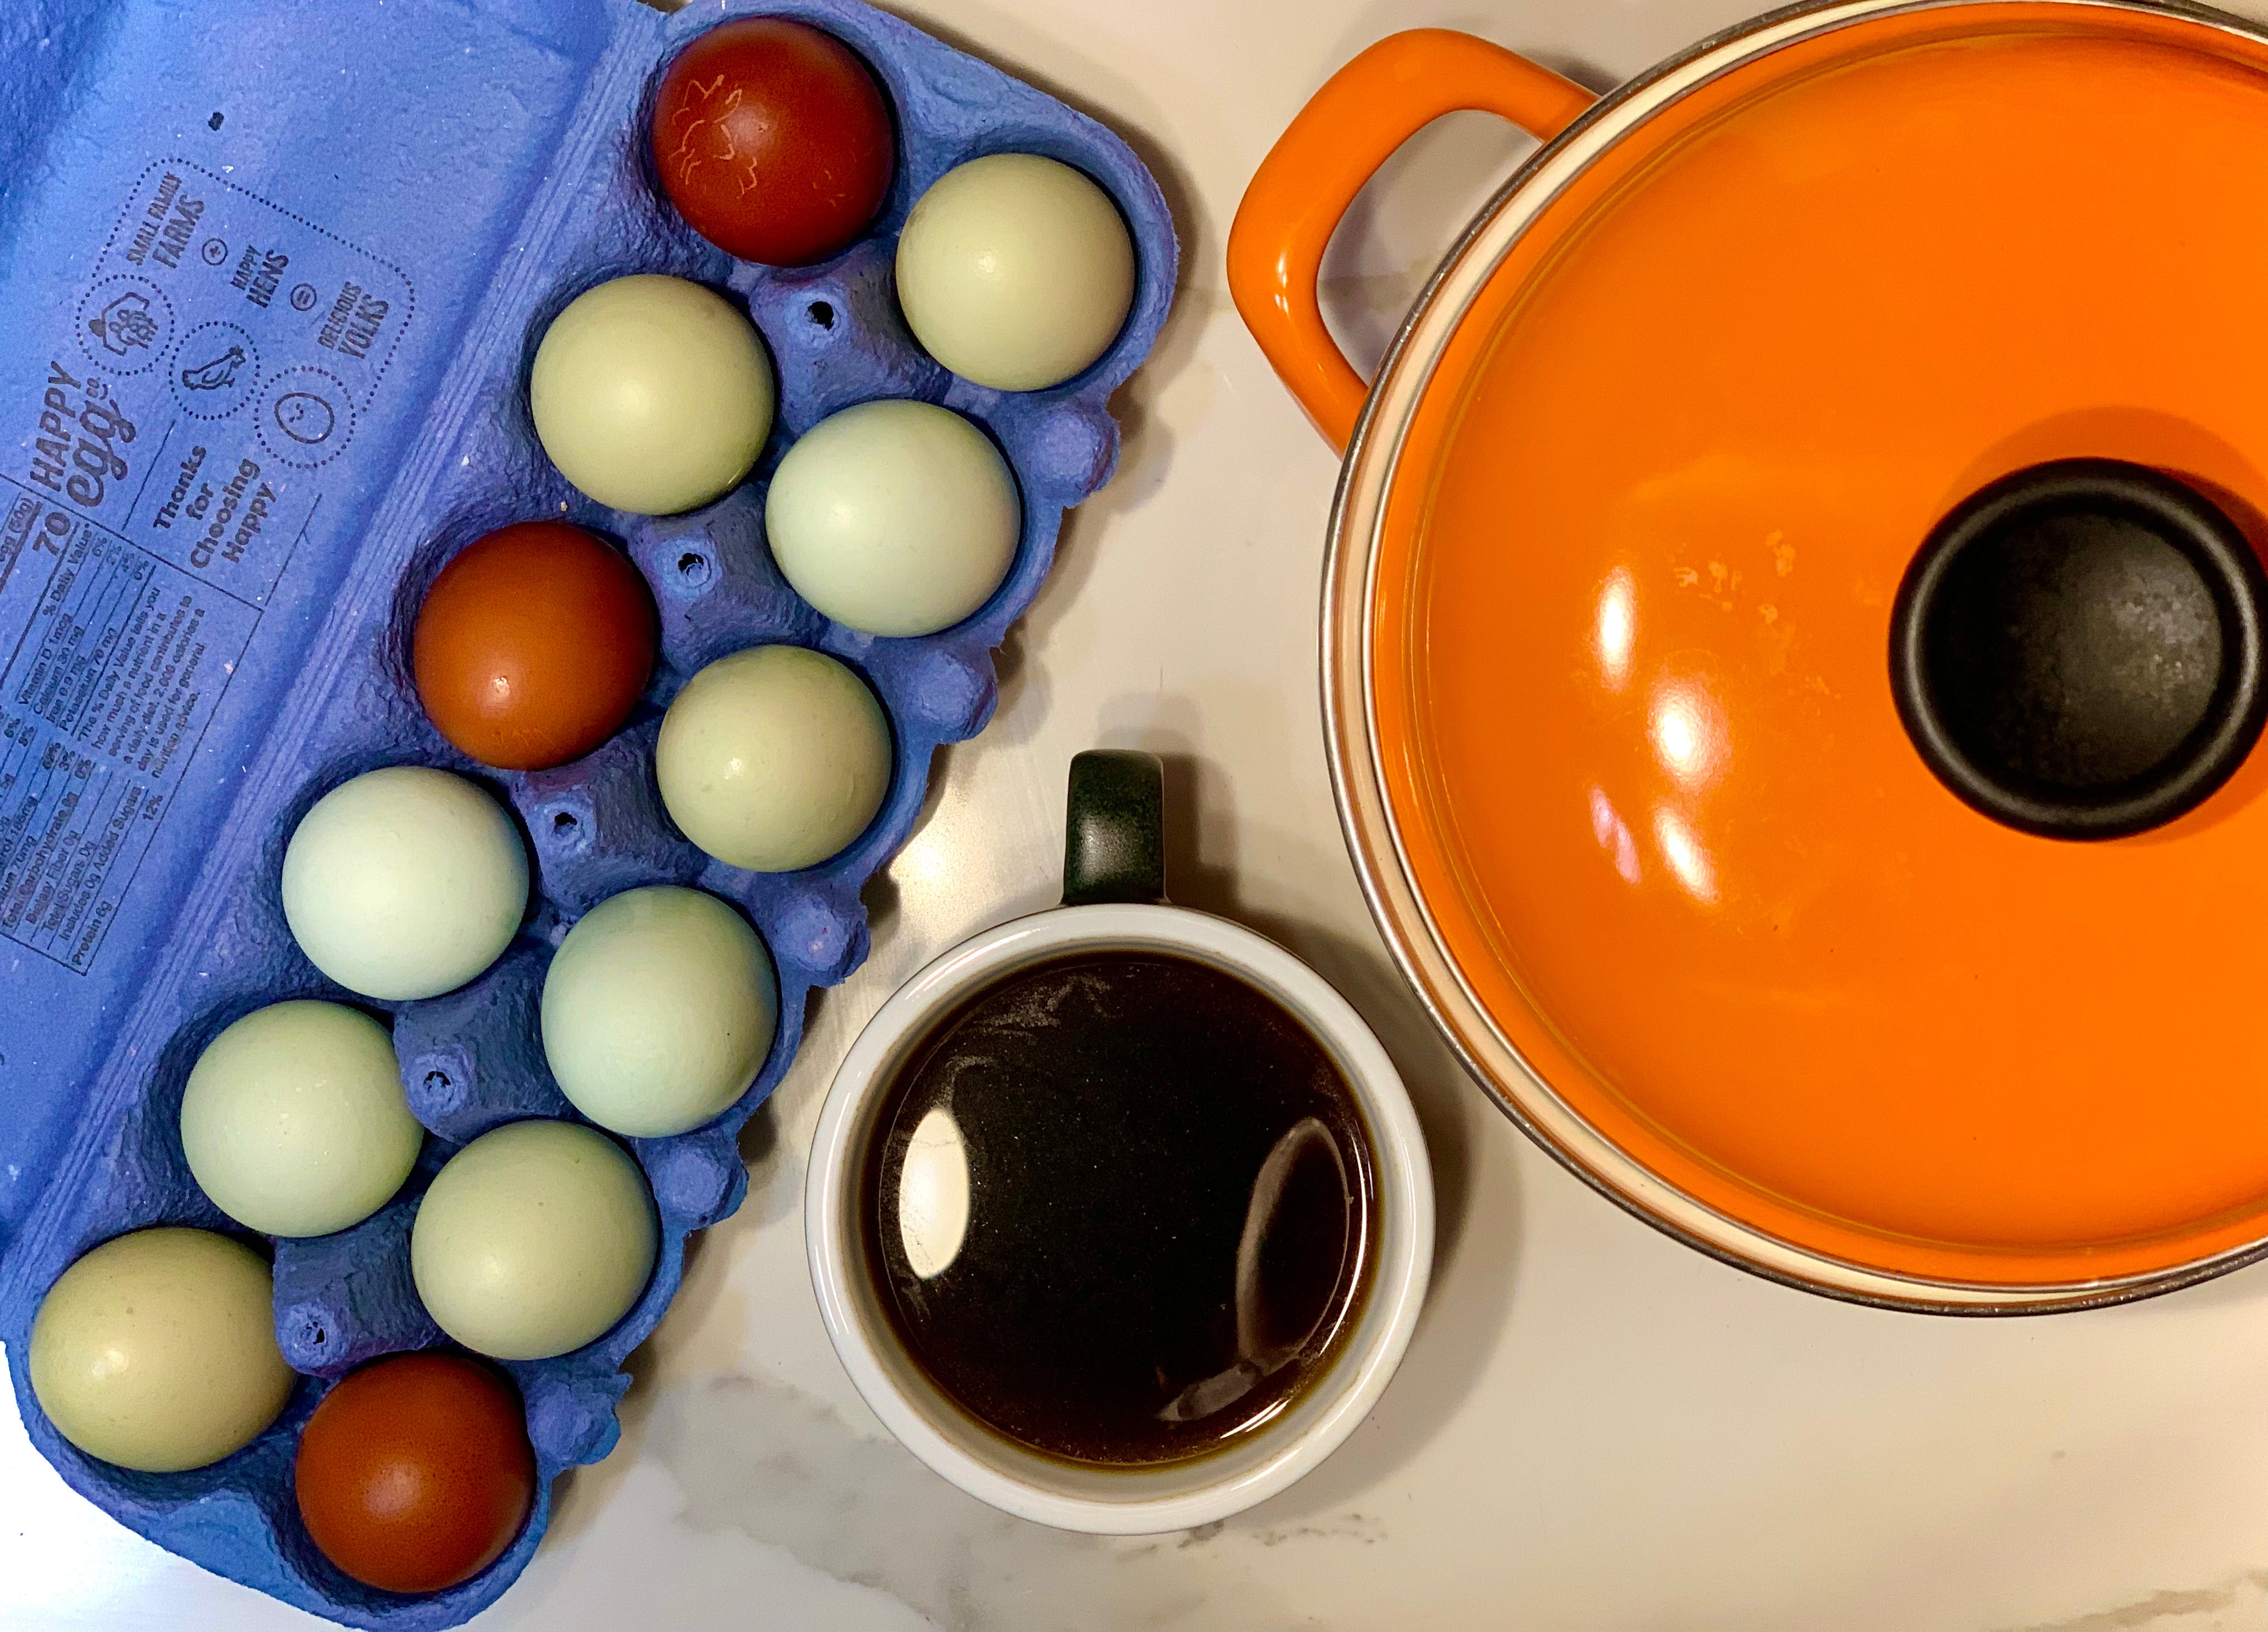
<point x="393" y="199"/>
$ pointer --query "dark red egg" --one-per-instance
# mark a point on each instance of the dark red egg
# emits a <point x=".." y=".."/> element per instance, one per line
<point x="773" y="141"/>
<point x="415" y="1474"/>
<point x="534" y="645"/>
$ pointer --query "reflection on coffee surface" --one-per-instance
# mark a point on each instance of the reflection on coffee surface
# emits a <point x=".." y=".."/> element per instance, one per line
<point x="1118" y="1208"/>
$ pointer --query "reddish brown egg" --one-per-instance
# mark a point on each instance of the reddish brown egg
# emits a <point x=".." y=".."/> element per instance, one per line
<point x="773" y="140"/>
<point x="534" y="645"/>
<point x="415" y="1474"/>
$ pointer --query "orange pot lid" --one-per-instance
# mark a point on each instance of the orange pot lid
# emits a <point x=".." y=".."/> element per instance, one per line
<point x="1624" y="651"/>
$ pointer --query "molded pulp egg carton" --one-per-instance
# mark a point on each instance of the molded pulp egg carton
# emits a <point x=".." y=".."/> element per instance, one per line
<point x="375" y="207"/>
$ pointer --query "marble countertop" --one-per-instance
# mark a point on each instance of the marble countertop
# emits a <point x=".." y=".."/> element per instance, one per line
<point x="1596" y="1427"/>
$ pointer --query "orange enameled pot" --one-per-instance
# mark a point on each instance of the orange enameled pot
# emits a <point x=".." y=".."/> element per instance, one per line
<point x="1792" y="636"/>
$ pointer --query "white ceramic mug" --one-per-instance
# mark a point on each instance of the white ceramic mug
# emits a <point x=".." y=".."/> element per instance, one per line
<point x="1114" y="875"/>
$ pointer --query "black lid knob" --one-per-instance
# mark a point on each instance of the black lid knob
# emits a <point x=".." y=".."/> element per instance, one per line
<point x="2077" y="648"/>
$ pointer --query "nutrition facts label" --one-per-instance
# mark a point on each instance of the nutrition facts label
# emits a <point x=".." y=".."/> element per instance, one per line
<point x="116" y="659"/>
<point x="219" y="358"/>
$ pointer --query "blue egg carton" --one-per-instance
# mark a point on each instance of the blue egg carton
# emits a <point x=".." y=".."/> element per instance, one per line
<point x="274" y="275"/>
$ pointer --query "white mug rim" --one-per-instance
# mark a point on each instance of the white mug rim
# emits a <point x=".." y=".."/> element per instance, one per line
<point x="1360" y="1374"/>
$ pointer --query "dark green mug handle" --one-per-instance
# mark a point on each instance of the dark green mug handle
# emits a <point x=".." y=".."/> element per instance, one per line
<point x="1115" y="828"/>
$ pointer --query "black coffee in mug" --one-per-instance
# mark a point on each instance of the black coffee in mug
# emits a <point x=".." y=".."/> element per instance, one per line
<point x="1118" y="1208"/>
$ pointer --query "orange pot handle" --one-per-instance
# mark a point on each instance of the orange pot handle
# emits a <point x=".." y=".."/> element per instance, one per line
<point x="1367" y="109"/>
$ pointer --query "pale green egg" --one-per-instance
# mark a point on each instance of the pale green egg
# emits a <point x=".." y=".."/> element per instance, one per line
<point x="534" y="1241"/>
<point x="404" y="883"/>
<point x="294" y="1120"/>
<point x="1015" y="271"/>
<point x="157" y="1351"/>
<point x="774" y="758"/>
<point x="658" y="1011"/>
<point x="894" y="517"/>
<point x="652" y="395"/>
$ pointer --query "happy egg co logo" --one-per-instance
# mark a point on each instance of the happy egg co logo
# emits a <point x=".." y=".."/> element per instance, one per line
<point x="125" y="324"/>
<point x="215" y="371"/>
<point x="306" y="417"/>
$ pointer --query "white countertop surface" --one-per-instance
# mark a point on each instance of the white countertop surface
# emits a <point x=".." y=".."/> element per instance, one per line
<point x="1596" y="1427"/>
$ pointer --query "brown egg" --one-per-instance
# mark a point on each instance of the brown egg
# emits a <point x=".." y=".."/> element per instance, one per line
<point x="773" y="140"/>
<point x="534" y="645"/>
<point x="415" y="1474"/>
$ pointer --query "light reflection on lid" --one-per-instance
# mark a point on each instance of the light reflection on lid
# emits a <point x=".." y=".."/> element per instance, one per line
<point x="1613" y="835"/>
<point x="1684" y="853"/>
<point x="1617" y="628"/>
<point x="1688" y="737"/>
